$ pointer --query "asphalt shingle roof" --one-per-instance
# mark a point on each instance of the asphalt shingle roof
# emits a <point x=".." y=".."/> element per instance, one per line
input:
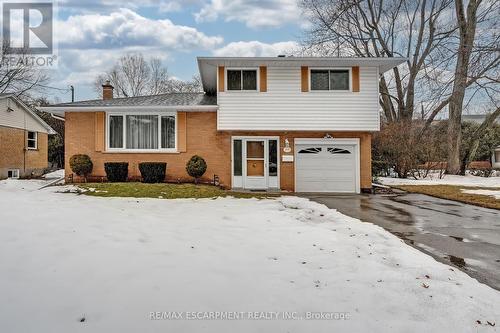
<point x="170" y="99"/>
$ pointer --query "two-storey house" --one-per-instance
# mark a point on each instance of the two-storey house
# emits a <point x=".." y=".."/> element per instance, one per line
<point x="282" y="123"/>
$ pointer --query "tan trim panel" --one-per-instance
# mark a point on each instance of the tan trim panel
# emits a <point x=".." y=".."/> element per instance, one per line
<point x="99" y="130"/>
<point x="263" y="78"/>
<point x="304" y="78"/>
<point x="355" y="79"/>
<point x="181" y="132"/>
<point x="221" y="78"/>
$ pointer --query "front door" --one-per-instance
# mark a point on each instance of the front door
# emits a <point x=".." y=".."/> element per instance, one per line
<point x="256" y="164"/>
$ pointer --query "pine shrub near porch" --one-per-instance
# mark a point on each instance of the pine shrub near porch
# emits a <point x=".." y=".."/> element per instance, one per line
<point x="196" y="167"/>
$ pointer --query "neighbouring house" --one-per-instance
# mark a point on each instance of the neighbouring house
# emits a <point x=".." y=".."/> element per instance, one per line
<point x="23" y="139"/>
<point x="479" y="119"/>
<point x="299" y="124"/>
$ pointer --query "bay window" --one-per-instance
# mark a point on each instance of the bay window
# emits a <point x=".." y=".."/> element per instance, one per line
<point x="143" y="132"/>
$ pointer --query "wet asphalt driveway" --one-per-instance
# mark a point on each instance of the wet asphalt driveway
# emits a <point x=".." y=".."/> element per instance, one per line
<point x="459" y="234"/>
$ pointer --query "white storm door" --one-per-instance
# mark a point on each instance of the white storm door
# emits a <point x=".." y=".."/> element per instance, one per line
<point x="255" y="165"/>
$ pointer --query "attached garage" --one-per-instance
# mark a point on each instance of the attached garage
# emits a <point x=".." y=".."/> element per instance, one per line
<point x="327" y="165"/>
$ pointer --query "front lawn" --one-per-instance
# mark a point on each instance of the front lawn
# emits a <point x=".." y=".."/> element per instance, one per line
<point x="163" y="191"/>
<point x="73" y="263"/>
<point x="454" y="192"/>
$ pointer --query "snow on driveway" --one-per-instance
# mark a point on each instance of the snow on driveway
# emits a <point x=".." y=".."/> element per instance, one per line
<point x="467" y="180"/>
<point x="113" y="261"/>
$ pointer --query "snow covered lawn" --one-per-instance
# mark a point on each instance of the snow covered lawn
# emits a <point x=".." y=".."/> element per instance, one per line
<point x="491" y="193"/>
<point x="467" y="180"/>
<point x="113" y="261"/>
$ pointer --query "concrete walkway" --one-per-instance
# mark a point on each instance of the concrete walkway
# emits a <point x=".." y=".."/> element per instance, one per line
<point x="459" y="234"/>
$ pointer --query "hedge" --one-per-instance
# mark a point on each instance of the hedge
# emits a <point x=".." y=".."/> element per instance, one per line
<point x="116" y="171"/>
<point x="153" y="172"/>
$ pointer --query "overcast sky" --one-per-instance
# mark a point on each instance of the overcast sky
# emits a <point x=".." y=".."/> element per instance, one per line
<point x="92" y="34"/>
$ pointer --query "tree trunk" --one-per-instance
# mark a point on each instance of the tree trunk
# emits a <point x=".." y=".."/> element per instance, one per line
<point x="385" y="101"/>
<point x="467" y="31"/>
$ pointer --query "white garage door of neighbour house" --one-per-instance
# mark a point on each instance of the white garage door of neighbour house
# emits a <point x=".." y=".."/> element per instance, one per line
<point x="327" y="167"/>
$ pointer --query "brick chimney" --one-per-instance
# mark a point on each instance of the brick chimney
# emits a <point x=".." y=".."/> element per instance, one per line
<point x="107" y="90"/>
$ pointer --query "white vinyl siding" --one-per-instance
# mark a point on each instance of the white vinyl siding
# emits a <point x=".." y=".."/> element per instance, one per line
<point x="285" y="107"/>
<point x="18" y="117"/>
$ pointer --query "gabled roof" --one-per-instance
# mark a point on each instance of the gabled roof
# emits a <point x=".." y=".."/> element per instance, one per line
<point x="208" y="65"/>
<point x="30" y="111"/>
<point x="169" y="100"/>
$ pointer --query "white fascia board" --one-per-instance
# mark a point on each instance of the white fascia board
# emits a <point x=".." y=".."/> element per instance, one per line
<point x="63" y="109"/>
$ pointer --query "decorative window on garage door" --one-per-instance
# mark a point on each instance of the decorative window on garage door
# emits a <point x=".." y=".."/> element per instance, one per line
<point x="338" y="151"/>
<point x="312" y="150"/>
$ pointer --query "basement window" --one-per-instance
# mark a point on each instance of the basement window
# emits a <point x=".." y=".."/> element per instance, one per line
<point x="13" y="173"/>
<point x="242" y="79"/>
<point x="32" y="140"/>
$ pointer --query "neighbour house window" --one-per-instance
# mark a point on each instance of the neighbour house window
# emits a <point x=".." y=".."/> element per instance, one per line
<point x="32" y="140"/>
<point x="329" y="79"/>
<point x="141" y="132"/>
<point x="13" y="173"/>
<point x="245" y="79"/>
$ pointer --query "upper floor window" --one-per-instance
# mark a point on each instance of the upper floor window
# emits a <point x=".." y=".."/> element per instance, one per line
<point x="141" y="132"/>
<point x="329" y="79"/>
<point x="32" y="140"/>
<point x="241" y="79"/>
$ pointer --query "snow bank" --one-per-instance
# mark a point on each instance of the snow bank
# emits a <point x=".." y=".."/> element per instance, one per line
<point x="467" y="180"/>
<point x="495" y="194"/>
<point x="113" y="261"/>
<point x="55" y="174"/>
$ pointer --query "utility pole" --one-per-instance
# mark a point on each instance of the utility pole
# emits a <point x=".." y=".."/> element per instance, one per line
<point x="72" y="93"/>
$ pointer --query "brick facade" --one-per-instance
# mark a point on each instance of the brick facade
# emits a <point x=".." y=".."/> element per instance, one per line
<point x="197" y="135"/>
<point x="13" y="154"/>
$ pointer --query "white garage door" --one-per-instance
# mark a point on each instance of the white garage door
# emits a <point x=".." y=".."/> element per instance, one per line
<point x="325" y="168"/>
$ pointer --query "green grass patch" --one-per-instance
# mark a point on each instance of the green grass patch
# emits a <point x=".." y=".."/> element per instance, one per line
<point x="454" y="192"/>
<point x="164" y="191"/>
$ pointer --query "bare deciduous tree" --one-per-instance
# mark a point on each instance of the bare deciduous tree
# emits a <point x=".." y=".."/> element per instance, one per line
<point x="416" y="30"/>
<point x="467" y="18"/>
<point x="132" y="75"/>
<point x="19" y="78"/>
<point x="452" y="50"/>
